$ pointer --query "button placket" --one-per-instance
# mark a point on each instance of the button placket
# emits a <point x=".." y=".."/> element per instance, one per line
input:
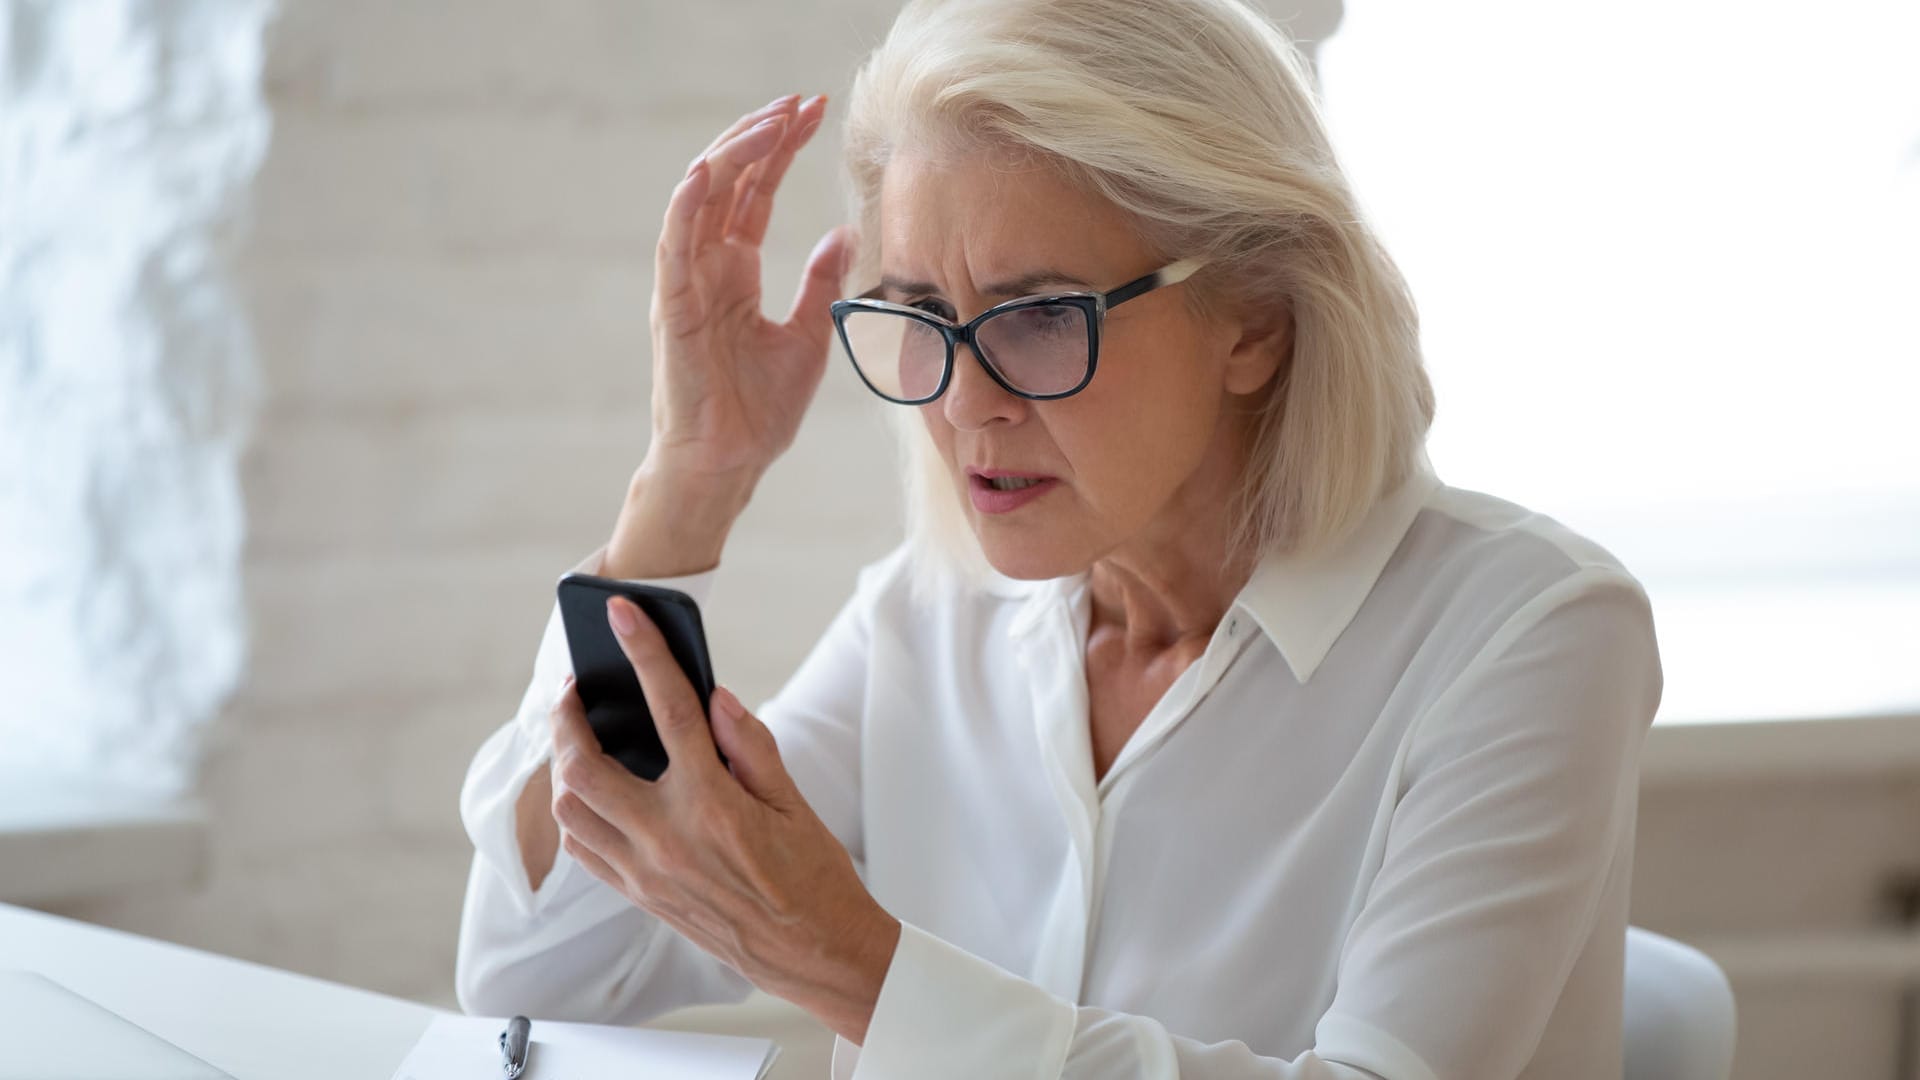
<point x="1054" y="662"/>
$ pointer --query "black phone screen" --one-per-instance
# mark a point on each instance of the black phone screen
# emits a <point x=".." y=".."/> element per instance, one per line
<point x="616" y="708"/>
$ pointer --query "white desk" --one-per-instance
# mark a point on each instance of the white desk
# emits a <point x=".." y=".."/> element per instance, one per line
<point x="258" y="1022"/>
<point x="250" y="1020"/>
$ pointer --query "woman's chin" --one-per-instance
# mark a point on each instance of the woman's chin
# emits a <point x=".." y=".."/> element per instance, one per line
<point x="1025" y="562"/>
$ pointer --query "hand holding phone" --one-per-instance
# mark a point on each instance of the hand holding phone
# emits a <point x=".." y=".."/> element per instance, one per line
<point x="609" y="689"/>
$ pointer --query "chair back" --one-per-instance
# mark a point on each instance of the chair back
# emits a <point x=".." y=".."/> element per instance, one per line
<point x="1678" y="1022"/>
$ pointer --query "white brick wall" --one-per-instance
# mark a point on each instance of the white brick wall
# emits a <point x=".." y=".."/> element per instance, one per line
<point x="449" y="272"/>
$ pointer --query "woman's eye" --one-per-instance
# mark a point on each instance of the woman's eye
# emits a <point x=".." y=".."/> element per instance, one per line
<point x="932" y="307"/>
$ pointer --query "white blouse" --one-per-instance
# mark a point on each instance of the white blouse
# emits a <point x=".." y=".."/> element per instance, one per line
<point x="1382" y="828"/>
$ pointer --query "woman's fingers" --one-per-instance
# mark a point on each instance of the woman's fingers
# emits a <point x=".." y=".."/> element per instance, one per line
<point x="771" y="108"/>
<point x="694" y="200"/>
<point x="753" y="206"/>
<point x="578" y="776"/>
<point x="590" y="860"/>
<point x="673" y="262"/>
<point x="777" y="105"/>
<point x="704" y="203"/>
<point x="743" y="193"/>
<point x="677" y="716"/>
<point x="780" y="106"/>
<point x="576" y="815"/>
<point x="568" y="720"/>
<point x="727" y="163"/>
<point x="822" y="282"/>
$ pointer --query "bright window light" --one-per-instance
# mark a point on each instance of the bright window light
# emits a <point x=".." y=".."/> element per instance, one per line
<point x="1667" y="258"/>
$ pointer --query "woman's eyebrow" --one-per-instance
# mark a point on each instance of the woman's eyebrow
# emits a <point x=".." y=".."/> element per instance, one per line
<point x="1019" y="286"/>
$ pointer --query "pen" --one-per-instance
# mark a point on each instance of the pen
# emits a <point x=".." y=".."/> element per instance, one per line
<point x="513" y="1046"/>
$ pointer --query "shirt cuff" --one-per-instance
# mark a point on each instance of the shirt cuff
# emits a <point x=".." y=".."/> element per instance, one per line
<point x="697" y="585"/>
<point x="944" y="1012"/>
<point x="488" y="799"/>
<point x="1350" y="1040"/>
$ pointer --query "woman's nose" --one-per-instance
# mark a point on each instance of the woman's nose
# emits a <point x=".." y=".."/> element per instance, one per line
<point x="973" y="399"/>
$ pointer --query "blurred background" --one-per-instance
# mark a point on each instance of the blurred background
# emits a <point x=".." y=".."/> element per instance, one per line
<point x="324" y="351"/>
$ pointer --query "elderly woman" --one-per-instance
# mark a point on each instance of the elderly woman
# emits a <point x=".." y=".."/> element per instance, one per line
<point x="1197" y="728"/>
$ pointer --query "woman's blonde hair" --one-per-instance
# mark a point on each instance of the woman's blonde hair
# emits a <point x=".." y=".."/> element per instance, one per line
<point x="1197" y="118"/>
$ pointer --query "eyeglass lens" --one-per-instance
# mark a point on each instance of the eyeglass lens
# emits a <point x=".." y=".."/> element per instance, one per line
<point x="1042" y="349"/>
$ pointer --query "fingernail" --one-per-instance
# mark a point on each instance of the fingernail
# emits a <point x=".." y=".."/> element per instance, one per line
<point x="769" y="122"/>
<point x="725" y="703"/>
<point x="619" y="617"/>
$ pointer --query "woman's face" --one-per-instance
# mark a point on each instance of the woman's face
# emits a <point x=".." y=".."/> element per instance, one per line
<point x="1145" y="446"/>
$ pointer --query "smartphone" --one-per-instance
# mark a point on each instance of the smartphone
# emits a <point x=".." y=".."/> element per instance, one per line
<point x="616" y="708"/>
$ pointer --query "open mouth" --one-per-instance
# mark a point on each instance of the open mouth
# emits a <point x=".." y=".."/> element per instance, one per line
<point x="1005" y="494"/>
<point x="1012" y="483"/>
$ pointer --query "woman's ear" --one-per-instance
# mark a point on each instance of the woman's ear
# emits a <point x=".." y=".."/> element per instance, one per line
<point x="1264" y="348"/>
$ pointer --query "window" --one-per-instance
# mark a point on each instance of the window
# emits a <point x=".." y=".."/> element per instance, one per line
<point x="126" y="387"/>
<point x="1667" y="259"/>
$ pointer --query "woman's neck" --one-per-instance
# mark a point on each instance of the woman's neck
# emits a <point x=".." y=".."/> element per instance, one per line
<point x="1173" y="582"/>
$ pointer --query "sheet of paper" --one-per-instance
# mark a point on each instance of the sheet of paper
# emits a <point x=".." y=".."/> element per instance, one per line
<point x="468" y="1048"/>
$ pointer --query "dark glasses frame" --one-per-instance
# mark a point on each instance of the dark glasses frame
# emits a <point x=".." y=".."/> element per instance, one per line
<point x="1093" y="306"/>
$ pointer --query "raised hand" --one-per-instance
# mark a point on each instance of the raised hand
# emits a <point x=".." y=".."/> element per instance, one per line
<point x="729" y="385"/>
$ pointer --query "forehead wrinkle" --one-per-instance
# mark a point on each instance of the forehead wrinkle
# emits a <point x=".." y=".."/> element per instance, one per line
<point x="1022" y="285"/>
<point x="941" y="208"/>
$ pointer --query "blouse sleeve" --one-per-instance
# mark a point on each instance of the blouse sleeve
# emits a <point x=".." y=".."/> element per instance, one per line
<point x="575" y="948"/>
<point x="1516" y="800"/>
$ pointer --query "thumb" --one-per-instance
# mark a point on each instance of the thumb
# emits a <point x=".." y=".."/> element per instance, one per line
<point x="751" y="750"/>
<point x="822" y="283"/>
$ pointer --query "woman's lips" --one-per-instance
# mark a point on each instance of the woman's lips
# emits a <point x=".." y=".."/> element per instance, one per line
<point x="989" y="500"/>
